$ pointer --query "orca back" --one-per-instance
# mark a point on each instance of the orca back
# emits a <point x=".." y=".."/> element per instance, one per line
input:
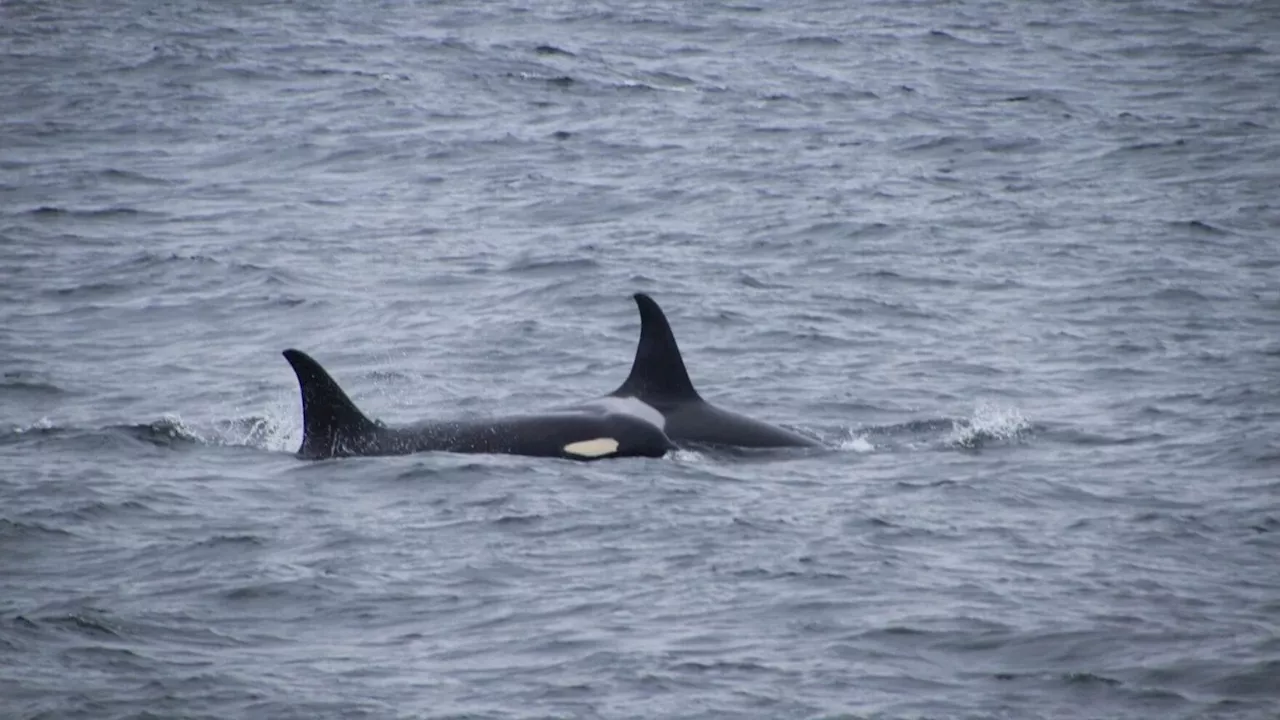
<point x="332" y="426"/>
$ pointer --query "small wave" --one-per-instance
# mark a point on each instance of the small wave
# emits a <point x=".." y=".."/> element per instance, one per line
<point x="1179" y="295"/>
<point x="721" y="666"/>
<point x="218" y="541"/>
<point x="858" y="444"/>
<point x="270" y="432"/>
<point x="93" y="510"/>
<point x="518" y="520"/>
<point x="1149" y="145"/>
<point x="687" y="455"/>
<point x="47" y="211"/>
<point x="446" y="467"/>
<point x="911" y="427"/>
<point x="910" y="435"/>
<point x="295" y="589"/>
<point x="1088" y="678"/>
<point x="668" y="81"/>
<point x="897" y="631"/>
<point x="802" y="575"/>
<point x="552" y="50"/>
<point x="814" y="41"/>
<point x="27" y="383"/>
<point x="91" y="289"/>
<point x="129" y="176"/>
<point x="1202" y="227"/>
<point x="393" y="377"/>
<point x="1087" y="439"/>
<point x="114" y="659"/>
<point x="988" y="423"/>
<point x="755" y="283"/>
<point x="275" y="431"/>
<point x="166" y="432"/>
<point x="85" y="624"/>
<point x="281" y="589"/>
<point x="217" y="547"/>
<point x="847" y="230"/>
<point x="529" y="265"/>
<point x="912" y="279"/>
<point x="1258" y="679"/>
<point x="25" y="623"/>
<point x="561" y="81"/>
<point x="151" y="259"/>
<point x="800" y="335"/>
<point x="914" y="144"/>
<point x="1268" y="524"/>
<point x="11" y="530"/>
<point x="40" y="428"/>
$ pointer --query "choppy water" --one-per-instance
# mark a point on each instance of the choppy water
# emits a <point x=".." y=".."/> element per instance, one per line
<point x="1017" y="262"/>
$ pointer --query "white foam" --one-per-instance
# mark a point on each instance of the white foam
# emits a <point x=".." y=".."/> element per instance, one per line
<point x="989" y="422"/>
<point x="43" y="423"/>
<point x="859" y="444"/>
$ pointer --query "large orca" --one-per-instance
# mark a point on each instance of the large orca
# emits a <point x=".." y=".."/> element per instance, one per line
<point x="332" y="426"/>
<point x="659" y="387"/>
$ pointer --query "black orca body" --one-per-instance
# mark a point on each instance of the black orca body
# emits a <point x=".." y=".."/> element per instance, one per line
<point x="659" y="381"/>
<point x="334" y="427"/>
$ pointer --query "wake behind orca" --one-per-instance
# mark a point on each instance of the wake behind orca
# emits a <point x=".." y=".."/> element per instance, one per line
<point x="659" y="387"/>
<point x="332" y="426"/>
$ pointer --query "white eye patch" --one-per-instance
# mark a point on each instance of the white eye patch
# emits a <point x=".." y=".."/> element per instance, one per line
<point x="598" y="447"/>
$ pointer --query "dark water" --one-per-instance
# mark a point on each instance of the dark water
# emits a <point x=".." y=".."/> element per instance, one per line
<point x="1019" y="263"/>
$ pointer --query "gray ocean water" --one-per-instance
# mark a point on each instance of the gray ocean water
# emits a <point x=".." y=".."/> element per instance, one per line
<point x="1017" y="263"/>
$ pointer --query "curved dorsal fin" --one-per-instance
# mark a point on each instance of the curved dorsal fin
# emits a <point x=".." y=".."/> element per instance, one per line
<point x="658" y="370"/>
<point x="330" y="420"/>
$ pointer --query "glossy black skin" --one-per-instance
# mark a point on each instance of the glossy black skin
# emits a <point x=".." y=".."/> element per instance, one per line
<point x="702" y="423"/>
<point x="334" y="427"/>
<point x="659" y="379"/>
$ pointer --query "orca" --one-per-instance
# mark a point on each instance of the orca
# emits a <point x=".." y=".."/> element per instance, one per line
<point x="659" y="388"/>
<point x="332" y="426"/>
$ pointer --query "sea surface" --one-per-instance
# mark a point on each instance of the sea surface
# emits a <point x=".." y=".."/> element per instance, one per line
<point x="1017" y="263"/>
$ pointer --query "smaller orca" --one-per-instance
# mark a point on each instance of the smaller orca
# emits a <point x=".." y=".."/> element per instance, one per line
<point x="332" y="426"/>
<point x="659" y="387"/>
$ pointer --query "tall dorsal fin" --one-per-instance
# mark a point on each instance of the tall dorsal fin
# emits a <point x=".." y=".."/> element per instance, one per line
<point x="658" y="370"/>
<point x="330" y="421"/>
